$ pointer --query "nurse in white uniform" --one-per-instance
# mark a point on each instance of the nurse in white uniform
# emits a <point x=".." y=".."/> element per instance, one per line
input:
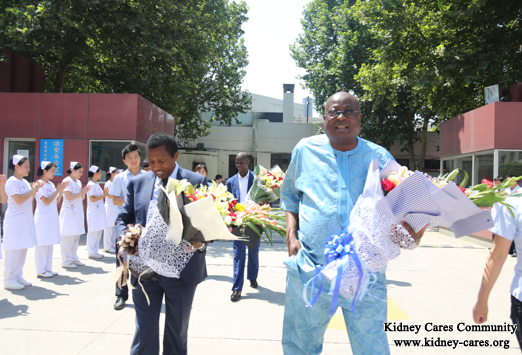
<point x="19" y="233"/>
<point x="71" y="216"/>
<point x="111" y="212"/>
<point x="3" y="199"/>
<point x="46" y="220"/>
<point x="96" y="220"/>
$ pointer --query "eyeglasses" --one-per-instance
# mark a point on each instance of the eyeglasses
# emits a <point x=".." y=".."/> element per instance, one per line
<point x="336" y="113"/>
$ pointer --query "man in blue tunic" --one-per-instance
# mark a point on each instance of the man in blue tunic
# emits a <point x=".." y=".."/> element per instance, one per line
<point x="325" y="178"/>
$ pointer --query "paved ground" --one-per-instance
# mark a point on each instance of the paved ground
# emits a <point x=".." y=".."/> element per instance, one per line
<point x="72" y="313"/>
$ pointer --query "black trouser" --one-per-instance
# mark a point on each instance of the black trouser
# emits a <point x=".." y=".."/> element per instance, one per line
<point x="124" y="291"/>
<point x="516" y="317"/>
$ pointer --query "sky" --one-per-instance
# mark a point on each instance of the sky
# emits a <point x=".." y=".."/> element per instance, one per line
<point x="271" y="28"/>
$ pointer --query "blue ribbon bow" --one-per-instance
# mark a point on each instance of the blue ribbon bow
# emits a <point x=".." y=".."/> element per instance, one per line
<point x="339" y="247"/>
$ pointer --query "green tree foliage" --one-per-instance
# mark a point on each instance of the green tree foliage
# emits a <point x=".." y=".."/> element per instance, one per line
<point x="184" y="56"/>
<point x="411" y="64"/>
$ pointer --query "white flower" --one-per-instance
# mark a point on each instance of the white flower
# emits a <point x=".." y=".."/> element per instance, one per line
<point x="228" y="220"/>
<point x="238" y="221"/>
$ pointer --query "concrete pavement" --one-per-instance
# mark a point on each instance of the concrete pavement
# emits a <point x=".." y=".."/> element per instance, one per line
<point x="72" y="313"/>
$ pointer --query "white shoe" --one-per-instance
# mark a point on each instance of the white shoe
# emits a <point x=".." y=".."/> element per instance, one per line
<point x="14" y="286"/>
<point x="69" y="266"/>
<point x="45" y="275"/>
<point x="54" y="273"/>
<point x="78" y="263"/>
<point x="24" y="282"/>
<point x="112" y="251"/>
<point x="96" y="256"/>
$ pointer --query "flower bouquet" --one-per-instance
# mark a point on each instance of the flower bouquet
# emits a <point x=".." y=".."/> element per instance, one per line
<point x="254" y="222"/>
<point x="375" y="234"/>
<point x="267" y="184"/>
<point x="373" y="238"/>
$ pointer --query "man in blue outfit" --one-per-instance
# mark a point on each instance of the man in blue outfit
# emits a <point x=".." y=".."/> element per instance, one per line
<point x="325" y="178"/>
<point x="239" y="185"/>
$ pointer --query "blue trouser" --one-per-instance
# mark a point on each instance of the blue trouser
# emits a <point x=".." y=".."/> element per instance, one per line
<point x="239" y="264"/>
<point x="124" y="290"/>
<point x="304" y="327"/>
<point x="178" y="304"/>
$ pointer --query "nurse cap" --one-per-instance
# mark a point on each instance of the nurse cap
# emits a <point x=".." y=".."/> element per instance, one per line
<point x="72" y="164"/>
<point x="44" y="164"/>
<point x="93" y="168"/>
<point x="17" y="158"/>
<point x="112" y="169"/>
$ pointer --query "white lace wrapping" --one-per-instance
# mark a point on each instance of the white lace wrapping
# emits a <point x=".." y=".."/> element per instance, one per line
<point x="157" y="253"/>
<point x="377" y="240"/>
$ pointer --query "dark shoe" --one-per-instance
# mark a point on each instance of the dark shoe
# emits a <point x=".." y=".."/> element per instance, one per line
<point x="253" y="283"/>
<point x="236" y="295"/>
<point x="514" y="255"/>
<point x="120" y="304"/>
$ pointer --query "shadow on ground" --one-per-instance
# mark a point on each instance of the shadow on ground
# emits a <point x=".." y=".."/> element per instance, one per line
<point x="88" y="270"/>
<point x="9" y="310"/>
<point x="265" y="294"/>
<point x="36" y="293"/>
<point x="62" y="280"/>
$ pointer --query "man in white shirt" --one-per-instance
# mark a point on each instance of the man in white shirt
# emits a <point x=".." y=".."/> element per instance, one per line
<point x="131" y="158"/>
<point x="239" y="185"/>
<point x="513" y="189"/>
<point x="507" y="229"/>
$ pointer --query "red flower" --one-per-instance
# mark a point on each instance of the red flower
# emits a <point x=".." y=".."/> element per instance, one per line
<point x="488" y="182"/>
<point x="280" y="178"/>
<point x="387" y="186"/>
<point x="461" y="189"/>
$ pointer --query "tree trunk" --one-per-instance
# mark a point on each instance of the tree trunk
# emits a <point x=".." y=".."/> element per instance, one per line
<point x="410" y="143"/>
<point x="411" y="153"/>
<point x="424" y="141"/>
<point x="59" y="77"/>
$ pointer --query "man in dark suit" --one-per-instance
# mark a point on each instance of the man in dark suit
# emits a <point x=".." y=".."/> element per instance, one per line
<point x="162" y="153"/>
<point x="239" y="185"/>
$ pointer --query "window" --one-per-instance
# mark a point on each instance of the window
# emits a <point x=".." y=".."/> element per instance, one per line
<point x="283" y="160"/>
<point x="106" y="154"/>
<point x="483" y="167"/>
<point x="464" y="164"/>
<point x="448" y="166"/>
<point x="509" y="162"/>
<point x="27" y="149"/>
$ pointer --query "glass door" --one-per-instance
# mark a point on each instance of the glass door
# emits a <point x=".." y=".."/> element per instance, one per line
<point x="25" y="148"/>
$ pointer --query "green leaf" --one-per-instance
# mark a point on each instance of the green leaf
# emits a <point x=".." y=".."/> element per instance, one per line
<point x="464" y="182"/>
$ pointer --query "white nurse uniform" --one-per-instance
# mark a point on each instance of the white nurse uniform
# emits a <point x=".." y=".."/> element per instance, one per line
<point x="96" y="221"/>
<point x="72" y="224"/>
<point x="19" y="231"/>
<point x="47" y="227"/>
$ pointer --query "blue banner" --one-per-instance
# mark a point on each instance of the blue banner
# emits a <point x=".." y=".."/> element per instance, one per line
<point x="52" y="150"/>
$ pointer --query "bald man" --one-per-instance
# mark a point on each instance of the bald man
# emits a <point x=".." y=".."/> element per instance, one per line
<point x="325" y="178"/>
<point x="239" y="185"/>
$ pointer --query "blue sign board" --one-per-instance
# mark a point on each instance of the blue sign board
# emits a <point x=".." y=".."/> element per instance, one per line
<point x="52" y="150"/>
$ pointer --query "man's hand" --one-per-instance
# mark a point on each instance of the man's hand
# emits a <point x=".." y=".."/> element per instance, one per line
<point x="416" y="236"/>
<point x="197" y="245"/>
<point x="292" y="226"/>
<point x="480" y="312"/>
<point x="293" y="244"/>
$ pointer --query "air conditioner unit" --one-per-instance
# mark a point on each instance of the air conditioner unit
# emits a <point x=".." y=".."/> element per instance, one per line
<point x="492" y="94"/>
<point x="200" y="146"/>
